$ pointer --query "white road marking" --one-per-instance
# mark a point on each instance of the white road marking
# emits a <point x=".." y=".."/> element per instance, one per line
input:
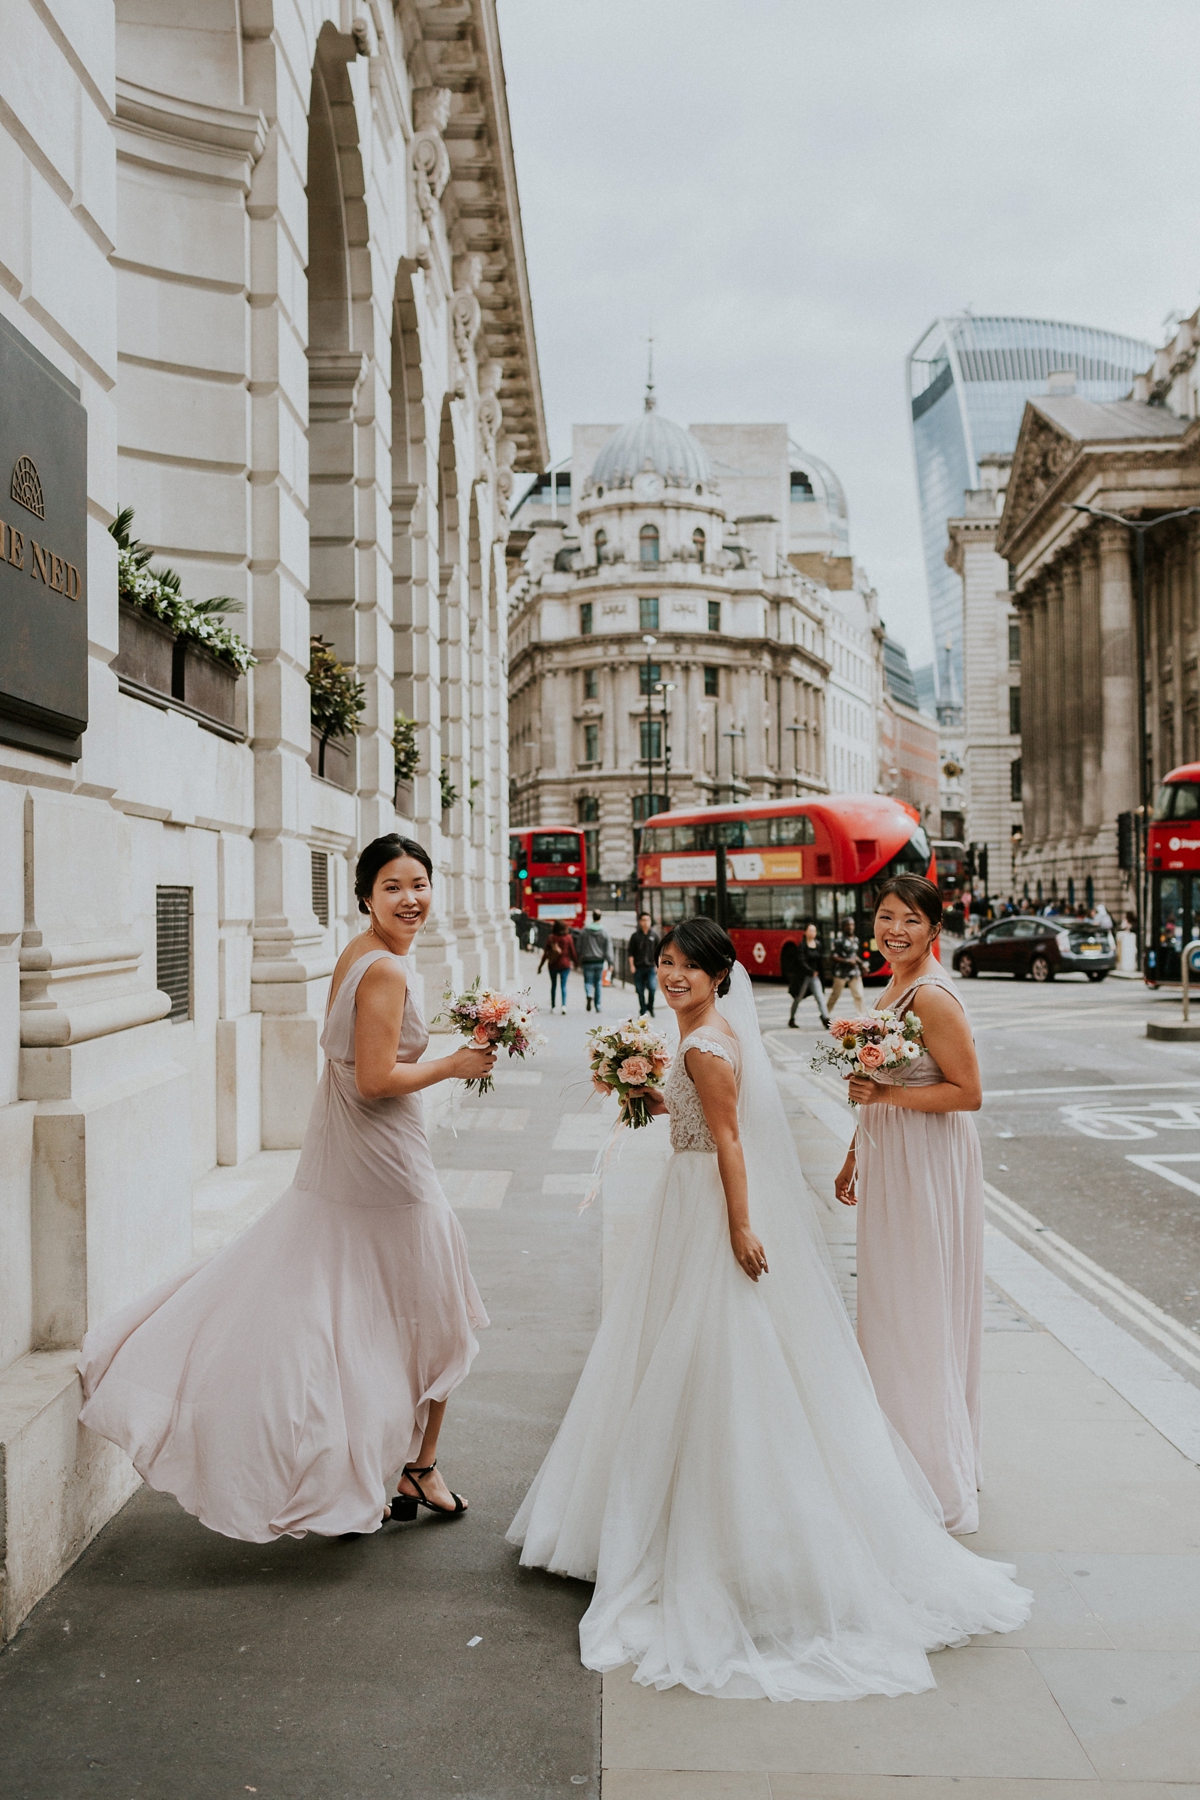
<point x="1157" y="1164"/>
<point x="582" y="1131"/>
<point x="573" y="1185"/>
<point x="1090" y="1087"/>
<point x="475" y="1190"/>
<point x="473" y="1117"/>
<point x="1179" y="1339"/>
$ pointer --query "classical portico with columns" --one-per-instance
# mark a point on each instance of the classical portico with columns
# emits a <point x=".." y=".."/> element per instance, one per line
<point x="1073" y="583"/>
<point x="272" y="256"/>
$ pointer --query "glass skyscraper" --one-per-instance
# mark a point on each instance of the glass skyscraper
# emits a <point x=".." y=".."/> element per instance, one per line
<point x="968" y="381"/>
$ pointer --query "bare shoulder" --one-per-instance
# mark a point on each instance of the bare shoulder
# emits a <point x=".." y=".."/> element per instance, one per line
<point x="936" y="1006"/>
<point x="387" y="976"/>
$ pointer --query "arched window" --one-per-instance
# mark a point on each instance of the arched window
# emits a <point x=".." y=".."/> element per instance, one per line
<point x="601" y="541"/>
<point x="698" y="544"/>
<point x="648" y="542"/>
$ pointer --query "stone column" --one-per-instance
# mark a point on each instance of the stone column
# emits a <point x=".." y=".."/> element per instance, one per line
<point x="1071" y="772"/>
<point x="1118" y="678"/>
<point x="1052" y="721"/>
<point x="1033" y="742"/>
<point x="1090" y="711"/>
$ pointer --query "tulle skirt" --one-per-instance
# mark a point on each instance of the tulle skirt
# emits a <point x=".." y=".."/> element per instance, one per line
<point x="724" y="1474"/>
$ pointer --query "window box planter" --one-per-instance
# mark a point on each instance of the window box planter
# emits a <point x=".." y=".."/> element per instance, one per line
<point x="152" y="664"/>
<point x="339" y="761"/>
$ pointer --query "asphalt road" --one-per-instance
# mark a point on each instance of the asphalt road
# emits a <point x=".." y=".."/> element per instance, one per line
<point x="1091" y="1126"/>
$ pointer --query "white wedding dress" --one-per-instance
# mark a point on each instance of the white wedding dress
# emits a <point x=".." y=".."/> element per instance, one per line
<point x="724" y="1473"/>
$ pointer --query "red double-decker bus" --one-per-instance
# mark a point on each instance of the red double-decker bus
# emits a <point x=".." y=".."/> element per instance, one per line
<point x="786" y="863"/>
<point x="548" y="875"/>
<point x="1173" y="867"/>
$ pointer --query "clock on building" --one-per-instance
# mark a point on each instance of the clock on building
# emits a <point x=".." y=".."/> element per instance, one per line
<point x="648" y="485"/>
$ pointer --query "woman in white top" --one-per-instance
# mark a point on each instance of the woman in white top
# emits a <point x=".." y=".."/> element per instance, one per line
<point x="724" y="1473"/>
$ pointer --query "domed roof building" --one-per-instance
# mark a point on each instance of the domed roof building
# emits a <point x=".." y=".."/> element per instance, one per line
<point x="671" y="635"/>
<point x="650" y="444"/>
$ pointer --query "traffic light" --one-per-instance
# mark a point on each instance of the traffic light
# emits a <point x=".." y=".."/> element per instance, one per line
<point x="983" y="864"/>
<point x="970" y="864"/>
<point x="1126" y="842"/>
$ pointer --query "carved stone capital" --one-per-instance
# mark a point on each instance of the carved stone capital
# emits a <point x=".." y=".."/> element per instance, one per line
<point x="430" y="157"/>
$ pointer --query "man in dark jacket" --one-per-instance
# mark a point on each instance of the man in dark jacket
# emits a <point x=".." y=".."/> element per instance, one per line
<point x="594" y="949"/>
<point x="848" y="966"/>
<point x="643" y="963"/>
<point x="806" y="977"/>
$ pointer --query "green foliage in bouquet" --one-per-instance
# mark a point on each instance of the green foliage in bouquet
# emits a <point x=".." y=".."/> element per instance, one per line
<point x="159" y="592"/>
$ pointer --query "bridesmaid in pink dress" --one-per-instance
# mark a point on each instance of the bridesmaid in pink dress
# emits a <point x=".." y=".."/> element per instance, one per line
<point x="276" y="1387"/>
<point x="916" y="1174"/>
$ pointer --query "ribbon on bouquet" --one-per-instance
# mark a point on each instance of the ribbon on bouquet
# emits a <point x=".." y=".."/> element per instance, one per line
<point x="603" y="1158"/>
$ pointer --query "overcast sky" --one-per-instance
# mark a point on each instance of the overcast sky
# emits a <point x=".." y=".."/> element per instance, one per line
<point x="793" y="191"/>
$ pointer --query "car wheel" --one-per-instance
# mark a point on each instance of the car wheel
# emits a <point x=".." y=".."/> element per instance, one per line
<point x="1096" y="974"/>
<point x="1040" y="969"/>
<point x="966" y="965"/>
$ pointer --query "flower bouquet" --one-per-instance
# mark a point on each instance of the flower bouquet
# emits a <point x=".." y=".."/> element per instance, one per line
<point x="878" y="1042"/>
<point x="485" y="1016"/>
<point x="631" y="1056"/>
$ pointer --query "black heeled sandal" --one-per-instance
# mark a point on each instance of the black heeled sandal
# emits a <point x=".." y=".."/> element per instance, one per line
<point x="404" y="1506"/>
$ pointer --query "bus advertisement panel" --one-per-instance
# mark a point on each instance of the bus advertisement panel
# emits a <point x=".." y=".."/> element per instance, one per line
<point x="548" y="875"/>
<point x="787" y="863"/>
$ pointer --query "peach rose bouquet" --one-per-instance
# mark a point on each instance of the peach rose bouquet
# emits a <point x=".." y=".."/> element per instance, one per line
<point x="486" y="1016"/>
<point x="631" y="1056"/>
<point x="878" y="1043"/>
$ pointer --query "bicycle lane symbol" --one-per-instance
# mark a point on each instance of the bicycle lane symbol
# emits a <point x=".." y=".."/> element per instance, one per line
<point x="1116" y="1122"/>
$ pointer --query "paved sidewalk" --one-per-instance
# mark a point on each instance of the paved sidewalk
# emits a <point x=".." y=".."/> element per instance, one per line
<point x="1099" y="1696"/>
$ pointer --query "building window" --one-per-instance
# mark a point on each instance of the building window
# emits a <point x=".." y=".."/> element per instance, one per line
<point x="601" y="539"/>
<point x="591" y="853"/>
<point x="651" y="734"/>
<point x="649" y="674"/>
<point x="714" y="615"/>
<point x="648" y="615"/>
<point x="801" y="486"/>
<point x="591" y="743"/>
<point x="173" y="921"/>
<point x="648" y="543"/>
<point x="587" y="809"/>
<point x="591" y="684"/>
<point x="1014" y="710"/>
<point x="646" y="805"/>
<point x="712" y="683"/>
<point x="320" y="886"/>
<point x="698" y="544"/>
<point x="585" y="618"/>
<point x="1014" y="779"/>
<point x="1014" y="640"/>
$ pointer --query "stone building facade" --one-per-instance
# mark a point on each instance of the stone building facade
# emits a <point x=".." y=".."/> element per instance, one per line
<point x="992" y="769"/>
<point x="276" y="252"/>
<point x="1075" y="590"/>
<point x="727" y="545"/>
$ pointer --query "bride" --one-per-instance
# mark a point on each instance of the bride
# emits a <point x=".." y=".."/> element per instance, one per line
<point x="724" y="1473"/>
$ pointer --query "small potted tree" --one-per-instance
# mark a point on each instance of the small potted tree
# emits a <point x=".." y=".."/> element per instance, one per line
<point x="336" y="701"/>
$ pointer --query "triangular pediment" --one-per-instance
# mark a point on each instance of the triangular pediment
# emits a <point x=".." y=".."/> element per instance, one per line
<point x="1042" y="454"/>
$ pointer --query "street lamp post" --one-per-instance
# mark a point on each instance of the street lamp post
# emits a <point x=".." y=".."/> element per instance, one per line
<point x="1139" y="528"/>
<point x="664" y="688"/>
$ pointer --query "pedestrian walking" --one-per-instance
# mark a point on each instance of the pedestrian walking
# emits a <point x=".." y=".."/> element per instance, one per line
<point x="559" y="957"/>
<point x="275" y="1388"/>
<point x="847" y="966"/>
<point x="643" y="963"/>
<point x="916" y="1174"/>
<point x="805" y="978"/>
<point x="593" y="947"/>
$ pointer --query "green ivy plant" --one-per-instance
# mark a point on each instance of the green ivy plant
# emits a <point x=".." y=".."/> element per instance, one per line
<point x="159" y="593"/>
<point x="336" y="698"/>
<point x="404" y="747"/>
<point x="449" y="791"/>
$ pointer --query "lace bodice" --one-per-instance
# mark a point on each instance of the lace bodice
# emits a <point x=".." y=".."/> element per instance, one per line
<point x="689" y="1128"/>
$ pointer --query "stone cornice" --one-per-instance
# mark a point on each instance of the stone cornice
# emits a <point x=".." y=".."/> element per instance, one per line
<point x="220" y="144"/>
<point x="460" y="49"/>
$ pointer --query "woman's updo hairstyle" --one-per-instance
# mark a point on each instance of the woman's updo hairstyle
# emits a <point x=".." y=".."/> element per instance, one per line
<point x="376" y="856"/>
<point x="704" y="943"/>
<point x="916" y="892"/>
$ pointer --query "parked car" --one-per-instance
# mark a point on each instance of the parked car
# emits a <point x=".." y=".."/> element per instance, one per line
<point x="1040" y="948"/>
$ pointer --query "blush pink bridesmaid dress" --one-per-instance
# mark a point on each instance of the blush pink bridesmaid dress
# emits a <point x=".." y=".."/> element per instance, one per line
<point x="919" y="1224"/>
<point x="279" y="1386"/>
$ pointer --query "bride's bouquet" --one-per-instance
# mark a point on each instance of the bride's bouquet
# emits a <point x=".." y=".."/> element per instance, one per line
<point x="485" y="1016"/>
<point x="878" y="1042"/>
<point x="631" y="1056"/>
